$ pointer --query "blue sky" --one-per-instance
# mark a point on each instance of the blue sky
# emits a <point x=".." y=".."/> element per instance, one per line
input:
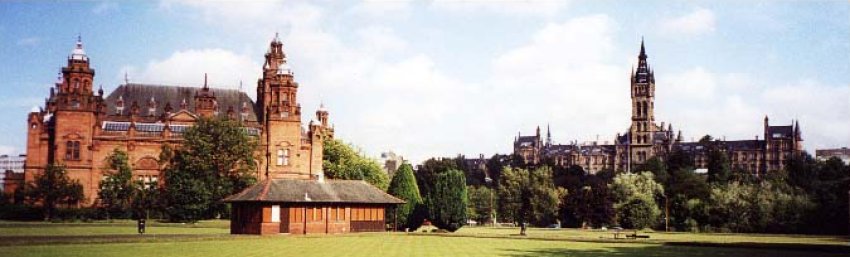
<point x="439" y="78"/>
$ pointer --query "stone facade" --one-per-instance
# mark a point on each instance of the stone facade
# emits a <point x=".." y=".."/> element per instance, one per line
<point x="646" y="139"/>
<point x="79" y="128"/>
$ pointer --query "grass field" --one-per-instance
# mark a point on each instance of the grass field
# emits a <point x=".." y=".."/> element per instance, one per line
<point x="211" y="239"/>
<point x="578" y="234"/>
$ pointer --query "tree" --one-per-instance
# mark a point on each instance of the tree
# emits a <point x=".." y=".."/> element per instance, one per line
<point x="545" y="197"/>
<point x="481" y="204"/>
<point x="658" y="169"/>
<point x="341" y="161"/>
<point x="447" y="203"/>
<point x="54" y="187"/>
<point x="215" y="161"/>
<point x="719" y="167"/>
<point x="638" y="212"/>
<point x="529" y="197"/>
<point x="426" y="173"/>
<point x="635" y="199"/>
<point x="589" y="205"/>
<point x="117" y="187"/>
<point x="145" y="199"/>
<point x="760" y="207"/>
<point x="408" y="215"/>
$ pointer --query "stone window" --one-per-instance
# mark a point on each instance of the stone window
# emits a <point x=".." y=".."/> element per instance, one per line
<point x="72" y="150"/>
<point x="283" y="157"/>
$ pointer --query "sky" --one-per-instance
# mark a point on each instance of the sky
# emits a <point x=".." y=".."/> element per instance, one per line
<point x="442" y="78"/>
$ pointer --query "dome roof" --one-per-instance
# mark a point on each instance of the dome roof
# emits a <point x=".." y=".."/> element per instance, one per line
<point x="78" y="53"/>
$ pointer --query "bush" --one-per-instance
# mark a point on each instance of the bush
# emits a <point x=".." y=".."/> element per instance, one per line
<point x="20" y="212"/>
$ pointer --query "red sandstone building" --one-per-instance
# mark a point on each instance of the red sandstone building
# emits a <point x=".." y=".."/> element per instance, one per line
<point x="79" y="128"/>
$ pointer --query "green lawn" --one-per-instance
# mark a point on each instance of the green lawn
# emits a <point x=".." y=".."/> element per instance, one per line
<point x="211" y="238"/>
<point x="120" y="227"/>
<point x="385" y="245"/>
<point x="578" y="234"/>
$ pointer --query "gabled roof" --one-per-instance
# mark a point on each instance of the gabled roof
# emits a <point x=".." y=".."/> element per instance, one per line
<point x="174" y="95"/>
<point x="313" y="191"/>
<point x="781" y="131"/>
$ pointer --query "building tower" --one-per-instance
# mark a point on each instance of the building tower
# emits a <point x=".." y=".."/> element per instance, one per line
<point x="67" y="122"/>
<point x="643" y="114"/>
<point x="290" y="150"/>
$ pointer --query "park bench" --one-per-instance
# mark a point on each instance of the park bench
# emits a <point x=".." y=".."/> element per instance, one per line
<point x="634" y="235"/>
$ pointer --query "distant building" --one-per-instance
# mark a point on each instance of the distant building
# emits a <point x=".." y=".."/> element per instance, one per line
<point x="12" y="167"/>
<point x="646" y="139"/>
<point x="390" y="162"/>
<point x="841" y="153"/>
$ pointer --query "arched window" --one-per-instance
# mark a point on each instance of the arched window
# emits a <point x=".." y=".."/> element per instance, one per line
<point x="637" y="108"/>
<point x="72" y="150"/>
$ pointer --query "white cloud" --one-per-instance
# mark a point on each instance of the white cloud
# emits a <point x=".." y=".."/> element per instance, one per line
<point x="187" y="68"/>
<point x="104" y="6"/>
<point x="565" y="75"/>
<point x="511" y="7"/>
<point x="29" y="41"/>
<point x="701" y="102"/>
<point x="698" y="22"/>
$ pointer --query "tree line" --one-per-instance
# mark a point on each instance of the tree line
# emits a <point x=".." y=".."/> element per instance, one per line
<point x="807" y="196"/>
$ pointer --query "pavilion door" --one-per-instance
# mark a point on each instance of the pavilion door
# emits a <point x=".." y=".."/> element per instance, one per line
<point x="284" y="220"/>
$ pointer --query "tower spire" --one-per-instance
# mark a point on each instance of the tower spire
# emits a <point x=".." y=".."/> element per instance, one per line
<point x="642" y="49"/>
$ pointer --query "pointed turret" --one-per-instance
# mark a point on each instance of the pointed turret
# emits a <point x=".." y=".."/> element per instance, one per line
<point x="642" y="55"/>
<point x="797" y="134"/>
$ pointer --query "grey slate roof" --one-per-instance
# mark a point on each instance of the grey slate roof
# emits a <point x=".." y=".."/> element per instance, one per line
<point x="307" y="191"/>
<point x="162" y="94"/>
<point x="744" y="145"/>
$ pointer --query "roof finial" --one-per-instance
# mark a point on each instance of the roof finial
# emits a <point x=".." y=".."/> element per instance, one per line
<point x="205" y="81"/>
<point x="276" y="37"/>
<point x="240" y="85"/>
<point x="126" y="80"/>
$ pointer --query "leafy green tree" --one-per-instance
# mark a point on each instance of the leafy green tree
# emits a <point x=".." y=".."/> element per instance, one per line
<point x="529" y="197"/>
<point x="719" y="167"/>
<point x="760" y="207"/>
<point x="545" y="197"/>
<point x="53" y="187"/>
<point x="426" y="173"/>
<point x="481" y="207"/>
<point x="410" y="214"/>
<point x="513" y="204"/>
<point x="215" y="161"/>
<point x="447" y="203"/>
<point x="341" y="161"/>
<point x="636" y="194"/>
<point x="589" y="205"/>
<point x="116" y="189"/>
<point x="658" y="169"/>
<point x="638" y="212"/>
<point x="145" y="199"/>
